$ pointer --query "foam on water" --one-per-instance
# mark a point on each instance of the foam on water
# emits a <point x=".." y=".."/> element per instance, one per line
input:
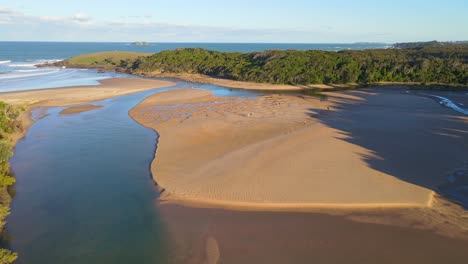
<point x="25" y="75"/>
<point x="448" y="103"/>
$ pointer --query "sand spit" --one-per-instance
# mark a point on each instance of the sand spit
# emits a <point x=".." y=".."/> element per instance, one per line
<point x="270" y="152"/>
<point x="82" y="94"/>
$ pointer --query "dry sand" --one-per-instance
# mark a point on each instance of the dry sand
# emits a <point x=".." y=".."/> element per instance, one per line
<point x="269" y="152"/>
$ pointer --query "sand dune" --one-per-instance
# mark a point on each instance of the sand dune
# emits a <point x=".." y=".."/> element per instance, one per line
<point x="267" y="152"/>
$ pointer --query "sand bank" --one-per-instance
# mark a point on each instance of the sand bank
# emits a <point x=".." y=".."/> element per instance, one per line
<point x="277" y="151"/>
<point x="79" y="109"/>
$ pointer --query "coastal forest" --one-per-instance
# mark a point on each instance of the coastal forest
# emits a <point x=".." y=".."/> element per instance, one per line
<point x="417" y="63"/>
<point x="431" y="64"/>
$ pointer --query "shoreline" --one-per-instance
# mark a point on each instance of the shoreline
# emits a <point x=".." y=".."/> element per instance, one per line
<point x="248" y="85"/>
<point x="287" y="87"/>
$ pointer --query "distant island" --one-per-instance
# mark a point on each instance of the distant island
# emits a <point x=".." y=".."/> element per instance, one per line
<point x="424" y="64"/>
<point x="140" y="43"/>
<point x="434" y="43"/>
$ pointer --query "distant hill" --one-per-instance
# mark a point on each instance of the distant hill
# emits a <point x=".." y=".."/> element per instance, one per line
<point x="434" y="43"/>
<point x="107" y="60"/>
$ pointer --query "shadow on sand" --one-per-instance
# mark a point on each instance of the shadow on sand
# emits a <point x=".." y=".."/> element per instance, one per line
<point x="416" y="139"/>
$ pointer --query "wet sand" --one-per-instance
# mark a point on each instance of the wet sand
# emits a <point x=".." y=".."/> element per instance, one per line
<point x="202" y="235"/>
<point x="79" y="109"/>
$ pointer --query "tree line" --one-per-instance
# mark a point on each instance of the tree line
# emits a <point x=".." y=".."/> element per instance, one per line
<point x="446" y="64"/>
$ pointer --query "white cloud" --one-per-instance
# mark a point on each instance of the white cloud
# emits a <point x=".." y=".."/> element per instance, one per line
<point x="16" y="25"/>
<point x="4" y="10"/>
<point x="81" y="18"/>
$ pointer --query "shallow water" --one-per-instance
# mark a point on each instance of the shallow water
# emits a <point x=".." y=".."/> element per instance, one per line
<point x="84" y="192"/>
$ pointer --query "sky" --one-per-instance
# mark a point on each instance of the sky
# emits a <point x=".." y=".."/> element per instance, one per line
<point x="270" y="21"/>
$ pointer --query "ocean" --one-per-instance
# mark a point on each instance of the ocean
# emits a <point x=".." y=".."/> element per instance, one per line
<point x="18" y="59"/>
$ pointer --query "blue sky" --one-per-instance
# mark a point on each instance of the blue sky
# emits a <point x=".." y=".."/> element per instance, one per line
<point x="292" y="21"/>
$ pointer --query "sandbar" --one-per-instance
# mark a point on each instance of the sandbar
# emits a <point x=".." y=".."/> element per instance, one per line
<point x="280" y="151"/>
<point x="79" y="109"/>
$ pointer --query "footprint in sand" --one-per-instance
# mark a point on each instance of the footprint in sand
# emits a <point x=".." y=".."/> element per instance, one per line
<point x="212" y="251"/>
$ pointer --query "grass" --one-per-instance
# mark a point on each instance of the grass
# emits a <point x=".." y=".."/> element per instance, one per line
<point x="106" y="58"/>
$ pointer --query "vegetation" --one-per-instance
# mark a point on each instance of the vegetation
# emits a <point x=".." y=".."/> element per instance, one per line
<point x="7" y="256"/>
<point x="435" y="64"/>
<point x="9" y="124"/>
<point x="444" y="64"/>
<point x="412" y="45"/>
<point x="108" y="59"/>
